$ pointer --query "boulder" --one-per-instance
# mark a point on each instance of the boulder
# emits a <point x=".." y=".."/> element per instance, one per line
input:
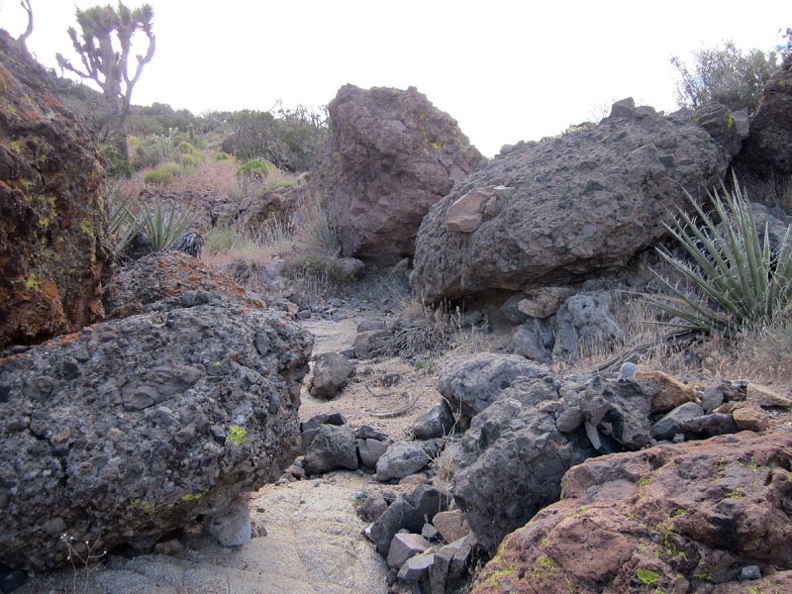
<point x="390" y="156"/>
<point x="331" y="372"/>
<point x="471" y="383"/>
<point x="169" y="280"/>
<point x="333" y="447"/>
<point x="133" y="428"/>
<point x="692" y="517"/>
<point x="54" y="250"/>
<point x="511" y="460"/>
<point x="618" y="409"/>
<point x="435" y="422"/>
<point x="404" y="458"/>
<point x="580" y="206"/>
<point x="769" y="147"/>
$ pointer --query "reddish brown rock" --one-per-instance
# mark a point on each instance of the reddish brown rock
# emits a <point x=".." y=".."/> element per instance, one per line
<point x="769" y="147"/>
<point x="53" y="218"/>
<point x="165" y="280"/>
<point x="391" y="156"/>
<point x="677" y="519"/>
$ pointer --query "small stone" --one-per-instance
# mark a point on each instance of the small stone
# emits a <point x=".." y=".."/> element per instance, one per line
<point x="750" y="419"/>
<point x="751" y="572"/>
<point x="668" y="391"/>
<point x="429" y="532"/>
<point x="390" y="379"/>
<point x="169" y="548"/>
<point x="372" y="507"/>
<point x="417" y="567"/>
<point x="452" y="525"/>
<point x="765" y="397"/>
<point x="405" y="545"/>
<point x="627" y="370"/>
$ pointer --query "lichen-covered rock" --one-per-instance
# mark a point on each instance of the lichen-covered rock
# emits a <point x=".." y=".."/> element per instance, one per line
<point x="135" y="427"/>
<point x="391" y="155"/>
<point x="580" y="206"/>
<point x="53" y="218"/>
<point x="678" y="518"/>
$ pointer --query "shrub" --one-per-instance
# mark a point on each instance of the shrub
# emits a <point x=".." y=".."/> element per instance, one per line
<point x="724" y="75"/>
<point x="163" y="175"/>
<point x="738" y="278"/>
<point x="256" y="168"/>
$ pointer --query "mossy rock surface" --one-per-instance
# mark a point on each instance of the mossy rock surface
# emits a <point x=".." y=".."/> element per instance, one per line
<point x="53" y="219"/>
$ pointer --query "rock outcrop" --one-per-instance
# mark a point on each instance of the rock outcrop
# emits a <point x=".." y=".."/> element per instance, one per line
<point x="563" y="210"/>
<point x="391" y="155"/>
<point x="769" y="147"/>
<point x="169" y="280"/>
<point x="512" y="458"/>
<point x="53" y="220"/>
<point x="133" y="428"/>
<point x="694" y="517"/>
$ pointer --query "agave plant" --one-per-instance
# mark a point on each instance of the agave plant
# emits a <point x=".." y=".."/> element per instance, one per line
<point x="739" y="278"/>
<point x="162" y="225"/>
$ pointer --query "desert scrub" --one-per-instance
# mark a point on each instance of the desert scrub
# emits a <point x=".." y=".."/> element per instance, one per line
<point x="736" y="276"/>
<point x="163" y="174"/>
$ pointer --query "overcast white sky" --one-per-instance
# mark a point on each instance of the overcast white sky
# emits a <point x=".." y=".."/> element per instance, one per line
<point x="506" y="70"/>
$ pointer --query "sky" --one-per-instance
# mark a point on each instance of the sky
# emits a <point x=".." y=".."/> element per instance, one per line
<point x="506" y="70"/>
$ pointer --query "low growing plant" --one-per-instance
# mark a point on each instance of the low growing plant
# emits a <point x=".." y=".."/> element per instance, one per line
<point x="737" y="277"/>
<point x="163" y="225"/>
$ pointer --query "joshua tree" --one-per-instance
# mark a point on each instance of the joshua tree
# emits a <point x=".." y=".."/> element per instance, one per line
<point x="23" y="38"/>
<point x="104" y="44"/>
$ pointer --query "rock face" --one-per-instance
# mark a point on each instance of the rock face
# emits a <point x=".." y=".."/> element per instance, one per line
<point x="560" y="211"/>
<point x="53" y="219"/>
<point x="694" y="517"/>
<point x="769" y="147"/>
<point x="135" y="427"/>
<point x="390" y="157"/>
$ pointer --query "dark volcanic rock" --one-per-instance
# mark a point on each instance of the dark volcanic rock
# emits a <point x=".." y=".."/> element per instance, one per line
<point x="53" y="219"/>
<point x="679" y="518"/>
<point x="512" y="459"/>
<point x="577" y="207"/>
<point x="135" y="427"/>
<point x="391" y="156"/>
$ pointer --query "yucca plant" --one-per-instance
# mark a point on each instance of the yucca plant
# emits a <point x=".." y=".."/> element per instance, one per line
<point x="738" y="277"/>
<point x="121" y="220"/>
<point x="163" y="225"/>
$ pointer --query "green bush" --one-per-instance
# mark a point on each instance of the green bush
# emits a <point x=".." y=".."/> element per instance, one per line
<point x="256" y="168"/>
<point x="738" y="277"/>
<point x="724" y="75"/>
<point x="163" y="175"/>
<point x="189" y="160"/>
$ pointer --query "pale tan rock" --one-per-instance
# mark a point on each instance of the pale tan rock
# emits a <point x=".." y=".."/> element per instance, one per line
<point x="452" y="525"/>
<point x="751" y="419"/>
<point x="670" y="392"/>
<point x="765" y="397"/>
<point x="543" y="302"/>
<point x="466" y="214"/>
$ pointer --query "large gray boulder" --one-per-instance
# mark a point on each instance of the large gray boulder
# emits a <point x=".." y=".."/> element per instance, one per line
<point x="512" y="459"/>
<point x="563" y="210"/>
<point x="391" y="155"/>
<point x="135" y="427"/>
